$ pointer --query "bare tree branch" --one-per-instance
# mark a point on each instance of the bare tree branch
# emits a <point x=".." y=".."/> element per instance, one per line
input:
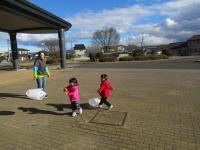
<point x="106" y="37"/>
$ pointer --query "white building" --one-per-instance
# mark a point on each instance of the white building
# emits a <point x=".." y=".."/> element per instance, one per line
<point x="79" y="50"/>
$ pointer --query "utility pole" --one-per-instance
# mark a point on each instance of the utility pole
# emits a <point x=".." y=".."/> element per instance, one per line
<point x="142" y="40"/>
<point x="8" y="43"/>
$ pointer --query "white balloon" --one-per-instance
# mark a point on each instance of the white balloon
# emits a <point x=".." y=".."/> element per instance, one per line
<point x="35" y="94"/>
<point x="94" y="102"/>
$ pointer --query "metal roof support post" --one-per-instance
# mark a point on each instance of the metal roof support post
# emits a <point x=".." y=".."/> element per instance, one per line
<point x="15" y="57"/>
<point x="61" y="36"/>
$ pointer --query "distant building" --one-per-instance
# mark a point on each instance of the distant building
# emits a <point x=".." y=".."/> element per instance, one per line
<point x="194" y="45"/>
<point x="23" y="54"/>
<point x="3" y="57"/>
<point x="133" y="47"/>
<point x="178" y="49"/>
<point x="115" y="49"/>
<point x="154" y="49"/>
<point x="185" y="48"/>
<point x="79" y="50"/>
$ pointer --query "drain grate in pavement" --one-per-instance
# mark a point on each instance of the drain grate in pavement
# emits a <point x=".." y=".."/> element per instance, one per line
<point x="115" y="118"/>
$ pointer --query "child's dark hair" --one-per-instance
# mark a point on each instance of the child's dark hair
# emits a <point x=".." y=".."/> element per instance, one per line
<point x="40" y="52"/>
<point x="104" y="76"/>
<point x="73" y="80"/>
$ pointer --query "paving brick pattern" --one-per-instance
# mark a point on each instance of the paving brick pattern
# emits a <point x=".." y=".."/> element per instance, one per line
<point x="163" y="109"/>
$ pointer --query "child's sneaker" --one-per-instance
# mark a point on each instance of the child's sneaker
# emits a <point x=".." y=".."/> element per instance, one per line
<point x="111" y="106"/>
<point x="80" y="111"/>
<point x="100" y="106"/>
<point x="73" y="114"/>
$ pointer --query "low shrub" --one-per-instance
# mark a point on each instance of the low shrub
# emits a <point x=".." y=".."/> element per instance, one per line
<point x="140" y="58"/>
<point x="165" y="57"/>
<point x="92" y="57"/>
<point x="52" y="60"/>
<point x="126" y="58"/>
<point x="137" y="53"/>
<point x="107" y="59"/>
<point x="155" y="57"/>
<point x="99" y="55"/>
<point x="69" y="56"/>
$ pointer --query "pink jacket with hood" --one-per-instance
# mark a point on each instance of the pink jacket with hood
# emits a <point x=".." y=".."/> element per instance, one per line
<point x="73" y="92"/>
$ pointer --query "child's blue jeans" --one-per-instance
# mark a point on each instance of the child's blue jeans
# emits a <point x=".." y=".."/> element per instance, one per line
<point x="41" y="82"/>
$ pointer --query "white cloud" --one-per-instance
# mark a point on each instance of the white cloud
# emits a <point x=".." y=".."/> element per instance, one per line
<point x="181" y="20"/>
<point x="156" y="40"/>
<point x="35" y="37"/>
<point x="148" y="39"/>
<point x="27" y="39"/>
<point x="121" y="18"/>
<point x="170" y="22"/>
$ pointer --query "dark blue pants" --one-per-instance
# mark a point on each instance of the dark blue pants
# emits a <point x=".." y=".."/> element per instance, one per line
<point x="75" y="105"/>
<point x="104" y="100"/>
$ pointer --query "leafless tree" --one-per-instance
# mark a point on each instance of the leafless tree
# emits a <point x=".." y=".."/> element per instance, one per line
<point x="137" y="40"/>
<point x="106" y="37"/>
<point x="50" y="45"/>
<point x="93" y="49"/>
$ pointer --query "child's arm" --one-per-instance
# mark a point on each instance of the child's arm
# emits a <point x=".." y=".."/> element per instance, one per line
<point x="71" y="92"/>
<point x="47" y="71"/>
<point x="102" y="87"/>
<point x="35" y="69"/>
<point x="65" y="89"/>
<point x="111" y="88"/>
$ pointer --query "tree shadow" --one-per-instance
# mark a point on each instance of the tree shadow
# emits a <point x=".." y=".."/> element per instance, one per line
<point x="61" y="107"/>
<point x="12" y="95"/>
<point x="33" y="110"/>
<point x="5" y="113"/>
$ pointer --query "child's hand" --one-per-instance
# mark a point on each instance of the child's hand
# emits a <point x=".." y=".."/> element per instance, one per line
<point x="65" y="90"/>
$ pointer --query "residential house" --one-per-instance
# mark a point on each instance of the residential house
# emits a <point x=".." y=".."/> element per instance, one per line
<point x="23" y="54"/>
<point x="154" y="49"/>
<point x="186" y="48"/>
<point x="115" y="49"/>
<point x="177" y="49"/>
<point x="79" y="50"/>
<point x="3" y="57"/>
<point x="133" y="47"/>
<point x="121" y="48"/>
<point x="194" y="45"/>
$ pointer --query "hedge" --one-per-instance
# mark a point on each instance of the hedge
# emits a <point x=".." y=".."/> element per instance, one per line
<point x="126" y="58"/>
<point x="107" y="59"/>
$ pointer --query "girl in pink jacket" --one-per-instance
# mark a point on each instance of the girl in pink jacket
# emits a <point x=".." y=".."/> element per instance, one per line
<point x="104" y="91"/>
<point x="72" y="90"/>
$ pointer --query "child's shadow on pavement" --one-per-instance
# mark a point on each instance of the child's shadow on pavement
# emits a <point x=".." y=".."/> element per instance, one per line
<point x="3" y="113"/>
<point x="32" y="110"/>
<point x="61" y="107"/>
<point x="12" y="95"/>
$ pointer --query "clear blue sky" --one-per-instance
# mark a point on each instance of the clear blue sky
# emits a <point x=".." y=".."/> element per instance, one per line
<point x="160" y="21"/>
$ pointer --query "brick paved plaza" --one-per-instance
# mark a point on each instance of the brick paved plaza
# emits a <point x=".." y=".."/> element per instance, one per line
<point x="154" y="109"/>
